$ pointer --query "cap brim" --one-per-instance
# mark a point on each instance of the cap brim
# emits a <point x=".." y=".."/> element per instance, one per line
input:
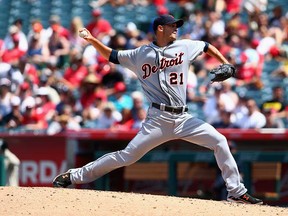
<point x="179" y="23"/>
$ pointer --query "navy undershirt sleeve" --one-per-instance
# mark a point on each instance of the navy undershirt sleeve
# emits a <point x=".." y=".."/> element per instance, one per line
<point x="206" y="47"/>
<point x="114" y="57"/>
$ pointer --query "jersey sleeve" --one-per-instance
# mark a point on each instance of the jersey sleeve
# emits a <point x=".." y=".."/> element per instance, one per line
<point x="128" y="59"/>
<point x="195" y="48"/>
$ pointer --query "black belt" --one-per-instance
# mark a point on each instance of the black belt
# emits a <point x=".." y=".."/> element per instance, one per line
<point x="171" y="109"/>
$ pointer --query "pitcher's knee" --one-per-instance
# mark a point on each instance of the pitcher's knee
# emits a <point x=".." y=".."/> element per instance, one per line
<point x="128" y="158"/>
<point x="221" y="142"/>
<point x="222" y="139"/>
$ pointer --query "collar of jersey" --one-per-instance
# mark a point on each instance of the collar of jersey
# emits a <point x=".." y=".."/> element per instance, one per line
<point x="154" y="44"/>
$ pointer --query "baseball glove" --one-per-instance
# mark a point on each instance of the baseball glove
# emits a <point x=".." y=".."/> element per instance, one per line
<point x="223" y="72"/>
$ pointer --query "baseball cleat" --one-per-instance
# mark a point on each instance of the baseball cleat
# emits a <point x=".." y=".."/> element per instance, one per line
<point x="245" y="198"/>
<point x="62" y="180"/>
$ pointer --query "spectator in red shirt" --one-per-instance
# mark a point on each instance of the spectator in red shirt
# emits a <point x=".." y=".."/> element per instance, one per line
<point x="99" y="27"/>
<point x="126" y="122"/>
<point x="90" y="90"/>
<point x="12" y="56"/>
<point x="31" y="120"/>
<point x="29" y="71"/>
<point x="76" y="72"/>
<point x="232" y="6"/>
<point x="46" y="109"/>
<point x="55" y="22"/>
<point x="224" y="48"/>
<point x="249" y="61"/>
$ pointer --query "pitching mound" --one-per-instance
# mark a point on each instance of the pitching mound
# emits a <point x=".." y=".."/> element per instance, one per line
<point x="53" y="201"/>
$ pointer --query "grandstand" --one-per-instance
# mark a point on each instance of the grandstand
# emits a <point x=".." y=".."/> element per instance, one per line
<point x="66" y="9"/>
<point x="28" y="10"/>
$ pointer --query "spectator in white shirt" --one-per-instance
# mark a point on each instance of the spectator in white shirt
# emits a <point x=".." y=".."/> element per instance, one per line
<point x="63" y="123"/>
<point x="108" y="117"/>
<point x="240" y="110"/>
<point x="8" y="40"/>
<point x="141" y="115"/>
<point x="217" y="25"/>
<point x="219" y="100"/>
<point x="254" y="118"/>
<point x="5" y="97"/>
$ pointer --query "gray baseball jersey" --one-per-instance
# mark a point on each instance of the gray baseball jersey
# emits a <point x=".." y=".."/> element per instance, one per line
<point x="163" y="72"/>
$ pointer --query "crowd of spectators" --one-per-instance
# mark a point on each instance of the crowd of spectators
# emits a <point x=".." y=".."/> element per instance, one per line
<point x="52" y="80"/>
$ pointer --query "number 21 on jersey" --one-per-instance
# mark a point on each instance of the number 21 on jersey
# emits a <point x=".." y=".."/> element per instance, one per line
<point x="176" y="78"/>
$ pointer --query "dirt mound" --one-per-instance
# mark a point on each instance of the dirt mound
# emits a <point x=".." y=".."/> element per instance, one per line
<point x="54" y="201"/>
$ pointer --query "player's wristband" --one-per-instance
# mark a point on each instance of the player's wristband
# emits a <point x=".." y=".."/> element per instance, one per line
<point x="114" y="57"/>
<point x="206" y="47"/>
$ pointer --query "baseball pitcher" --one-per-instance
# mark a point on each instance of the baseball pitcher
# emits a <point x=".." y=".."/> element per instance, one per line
<point x="162" y="69"/>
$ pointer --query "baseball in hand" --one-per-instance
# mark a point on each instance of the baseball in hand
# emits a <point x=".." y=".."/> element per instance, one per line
<point x="83" y="33"/>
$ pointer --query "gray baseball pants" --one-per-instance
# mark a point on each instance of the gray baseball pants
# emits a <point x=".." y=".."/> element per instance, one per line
<point x="159" y="127"/>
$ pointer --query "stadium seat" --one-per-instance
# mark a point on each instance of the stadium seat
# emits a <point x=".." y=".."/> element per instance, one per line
<point x="270" y="66"/>
<point x="273" y="3"/>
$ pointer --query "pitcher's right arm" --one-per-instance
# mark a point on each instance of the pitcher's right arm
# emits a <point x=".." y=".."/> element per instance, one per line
<point x="105" y="51"/>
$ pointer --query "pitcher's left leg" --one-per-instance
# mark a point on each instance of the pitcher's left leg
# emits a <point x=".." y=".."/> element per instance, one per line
<point x="201" y="133"/>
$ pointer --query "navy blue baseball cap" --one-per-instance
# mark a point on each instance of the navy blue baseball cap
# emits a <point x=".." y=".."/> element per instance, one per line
<point x="166" y="19"/>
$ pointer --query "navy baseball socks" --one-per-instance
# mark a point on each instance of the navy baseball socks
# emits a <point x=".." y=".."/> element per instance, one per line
<point x="245" y="198"/>
<point x="62" y="180"/>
